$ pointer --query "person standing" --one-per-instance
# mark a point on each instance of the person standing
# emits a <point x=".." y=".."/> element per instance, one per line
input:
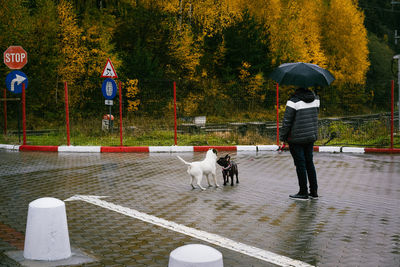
<point x="300" y="131"/>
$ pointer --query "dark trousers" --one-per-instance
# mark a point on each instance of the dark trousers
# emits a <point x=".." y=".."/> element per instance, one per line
<point x="303" y="160"/>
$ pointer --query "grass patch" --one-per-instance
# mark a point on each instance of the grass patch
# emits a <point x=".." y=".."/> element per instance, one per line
<point x="150" y="132"/>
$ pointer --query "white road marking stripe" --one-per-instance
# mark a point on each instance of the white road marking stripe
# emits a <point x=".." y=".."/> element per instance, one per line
<point x="202" y="235"/>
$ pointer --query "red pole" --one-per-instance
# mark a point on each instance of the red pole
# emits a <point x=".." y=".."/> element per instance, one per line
<point x="120" y="114"/>
<point x="392" y="117"/>
<point x="5" y="112"/>
<point x="175" y="124"/>
<point x="67" y="112"/>
<point x="23" y="115"/>
<point x="277" y="114"/>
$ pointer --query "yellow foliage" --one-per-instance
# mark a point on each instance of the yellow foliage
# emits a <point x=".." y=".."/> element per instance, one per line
<point x="191" y="103"/>
<point x="273" y="21"/>
<point x="330" y="35"/>
<point x="214" y="16"/>
<point x="132" y="90"/>
<point x="244" y="72"/>
<point x="73" y="54"/>
<point x="258" y="8"/>
<point x="255" y="90"/>
<point x="308" y="32"/>
<point x="345" y="42"/>
<point x="97" y="38"/>
<point x="183" y="47"/>
<point x="70" y="36"/>
<point x="295" y="30"/>
<point x="256" y="85"/>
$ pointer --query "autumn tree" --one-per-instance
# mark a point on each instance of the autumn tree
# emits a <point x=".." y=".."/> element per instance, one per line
<point x="14" y="26"/>
<point x="44" y="93"/>
<point x="184" y="49"/>
<point x="253" y="87"/>
<point x="246" y="60"/>
<point x="72" y="53"/>
<point x="98" y="28"/>
<point x="219" y="52"/>
<point x="142" y="40"/>
<point x="345" y="41"/>
<point x="14" y="22"/>
<point x="295" y="31"/>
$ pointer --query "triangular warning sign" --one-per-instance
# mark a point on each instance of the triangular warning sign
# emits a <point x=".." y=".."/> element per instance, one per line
<point x="109" y="71"/>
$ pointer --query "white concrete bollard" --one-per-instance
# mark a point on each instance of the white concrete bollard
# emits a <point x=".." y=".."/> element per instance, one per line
<point x="46" y="236"/>
<point x="195" y="255"/>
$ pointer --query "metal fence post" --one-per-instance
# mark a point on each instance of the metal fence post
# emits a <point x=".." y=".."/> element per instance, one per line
<point x="277" y="114"/>
<point x="67" y="112"/>
<point x="398" y="82"/>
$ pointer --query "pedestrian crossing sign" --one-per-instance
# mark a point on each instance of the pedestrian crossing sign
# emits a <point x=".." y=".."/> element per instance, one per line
<point x="109" y="71"/>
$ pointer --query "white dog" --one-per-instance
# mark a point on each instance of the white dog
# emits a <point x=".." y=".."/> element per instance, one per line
<point x="207" y="166"/>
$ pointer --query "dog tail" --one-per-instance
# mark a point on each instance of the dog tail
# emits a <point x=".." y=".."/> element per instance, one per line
<point x="181" y="159"/>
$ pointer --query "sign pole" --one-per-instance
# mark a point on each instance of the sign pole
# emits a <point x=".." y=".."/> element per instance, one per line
<point x="175" y="123"/>
<point x="67" y="113"/>
<point x="120" y="113"/>
<point x="277" y="114"/>
<point x="19" y="120"/>
<point x="391" y="116"/>
<point x="5" y="111"/>
<point x="109" y="121"/>
<point x="398" y="81"/>
<point x="23" y="115"/>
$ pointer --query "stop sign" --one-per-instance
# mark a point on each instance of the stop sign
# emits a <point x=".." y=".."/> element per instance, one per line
<point x="15" y="57"/>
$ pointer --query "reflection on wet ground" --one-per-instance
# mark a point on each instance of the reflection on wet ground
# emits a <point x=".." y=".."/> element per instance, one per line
<point x="356" y="221"/>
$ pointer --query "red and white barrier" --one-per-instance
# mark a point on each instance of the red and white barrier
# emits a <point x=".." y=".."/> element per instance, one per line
<point x="330" y="149"/>
<point x="81" y="149"/>
<point x="181" y="149"/>
<point x="267" y="148"/>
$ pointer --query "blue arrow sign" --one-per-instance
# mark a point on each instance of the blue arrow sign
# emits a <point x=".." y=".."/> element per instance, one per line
<point x="109" y="88"/>
<point x="14" y="81"/>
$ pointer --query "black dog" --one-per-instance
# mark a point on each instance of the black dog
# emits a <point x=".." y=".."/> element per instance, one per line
<point x="229" y="168"/>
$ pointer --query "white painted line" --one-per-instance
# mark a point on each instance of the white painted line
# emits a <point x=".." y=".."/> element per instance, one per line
<point x="83" y="149"/>
<point x="251" y="251"/>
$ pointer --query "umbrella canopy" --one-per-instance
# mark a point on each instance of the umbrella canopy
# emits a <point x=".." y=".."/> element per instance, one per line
<point x="301" y="74"/>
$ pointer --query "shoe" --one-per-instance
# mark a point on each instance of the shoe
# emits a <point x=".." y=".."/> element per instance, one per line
<point x="313" y="195"/>
<point x="299" y="196"/>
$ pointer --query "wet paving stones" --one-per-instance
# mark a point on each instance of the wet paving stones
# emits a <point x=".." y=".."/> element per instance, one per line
<point x="355" y="222"/>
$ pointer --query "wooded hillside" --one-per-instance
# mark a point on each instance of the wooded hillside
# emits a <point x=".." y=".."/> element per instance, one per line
<point x="218" y="52"/>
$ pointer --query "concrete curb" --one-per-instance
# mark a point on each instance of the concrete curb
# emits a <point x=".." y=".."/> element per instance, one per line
<point x="182" y="149"/>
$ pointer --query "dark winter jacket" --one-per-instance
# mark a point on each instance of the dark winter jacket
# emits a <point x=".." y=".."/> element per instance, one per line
<point x="300" y="122"/>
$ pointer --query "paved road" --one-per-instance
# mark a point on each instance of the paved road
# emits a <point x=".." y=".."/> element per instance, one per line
<point x="356" y="221"/>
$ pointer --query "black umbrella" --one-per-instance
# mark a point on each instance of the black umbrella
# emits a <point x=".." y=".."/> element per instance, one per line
<point x="301" y="74"/>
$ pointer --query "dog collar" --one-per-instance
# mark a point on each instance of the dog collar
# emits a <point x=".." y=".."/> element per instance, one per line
<point x="227" y="168"/>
